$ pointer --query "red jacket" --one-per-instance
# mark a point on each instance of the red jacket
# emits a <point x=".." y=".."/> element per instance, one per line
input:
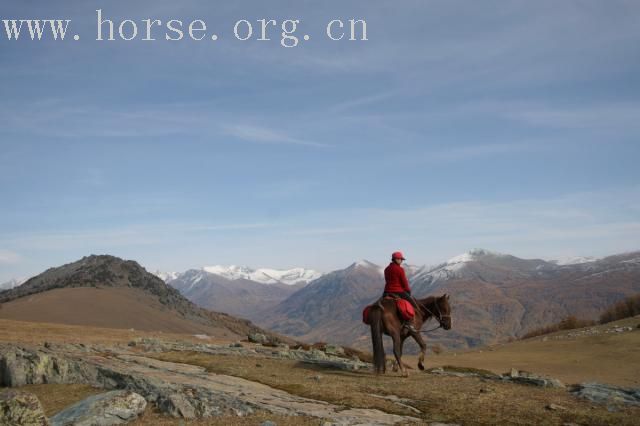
<point x="396" y="279"/>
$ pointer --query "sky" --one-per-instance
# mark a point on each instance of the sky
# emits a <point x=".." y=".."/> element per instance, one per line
<point x="507" y="125"/>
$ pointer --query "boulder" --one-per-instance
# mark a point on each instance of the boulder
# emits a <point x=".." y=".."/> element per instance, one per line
<point x="334" y="350"/>
<point x="110" y="408"/>
<point x="601" y="394"/>
<point x="258" y="338"/>
<point x="524" y="377"/>
<point x="19" y="367"/>
<point x="19" y="408"/>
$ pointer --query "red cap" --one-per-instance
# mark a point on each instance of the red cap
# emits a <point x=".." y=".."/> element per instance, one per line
<point x="397" y="255"/>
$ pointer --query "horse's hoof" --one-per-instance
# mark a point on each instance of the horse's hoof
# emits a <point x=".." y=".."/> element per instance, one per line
<point x="421" y="366"/>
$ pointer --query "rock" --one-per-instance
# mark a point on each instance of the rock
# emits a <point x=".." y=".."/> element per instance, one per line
<point x="601" y="394"/>
<point x="177" y="405"/>
<point x="555" y="407"/>
<point x="334" y="350"/>
<point x="524" y="377"/>
<point x="258" y="338"/>
<point x="110" y="408"/>
<point x="18" y="408"/>
<point x="267" y="423"/>
<point x="19" y="367"/>
<point x="181" y="390"/>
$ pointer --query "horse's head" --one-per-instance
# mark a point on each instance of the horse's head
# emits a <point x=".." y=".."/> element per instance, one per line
<point x="444" y="311"/>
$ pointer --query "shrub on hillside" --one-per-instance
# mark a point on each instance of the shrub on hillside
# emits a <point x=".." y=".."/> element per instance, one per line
<point x="568" y="323"/>
<point x="628" y="307"/>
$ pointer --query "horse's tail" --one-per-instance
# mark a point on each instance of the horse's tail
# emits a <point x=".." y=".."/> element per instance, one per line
<point x="379" y="358"/>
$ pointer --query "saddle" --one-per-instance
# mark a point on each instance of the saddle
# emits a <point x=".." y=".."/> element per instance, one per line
<point x="405" y="308"/>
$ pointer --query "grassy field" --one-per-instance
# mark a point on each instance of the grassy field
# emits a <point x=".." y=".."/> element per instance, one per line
<point x="609" y="358"/>
<point x="438" y="398"/>
<point x="612" y="358"/>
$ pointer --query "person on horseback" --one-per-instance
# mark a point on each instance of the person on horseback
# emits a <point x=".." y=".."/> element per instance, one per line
<point x="397" y="284"/>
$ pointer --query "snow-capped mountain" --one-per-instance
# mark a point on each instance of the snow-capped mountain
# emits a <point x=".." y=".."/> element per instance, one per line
<point x="265" y="275"/>
<point x="237" y="296"/>
<point x="166" y="276"/>
<point x="494" y="296"/>
<point x="574" y="260"/>
<point x="479" y="264"/>
<point x="13" y="283"/>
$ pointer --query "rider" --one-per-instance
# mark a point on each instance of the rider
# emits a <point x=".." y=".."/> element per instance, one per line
<point x="397" y="284"/>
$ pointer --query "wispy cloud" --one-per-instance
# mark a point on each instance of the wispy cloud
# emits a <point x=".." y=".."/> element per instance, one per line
<point x="459" y="153"/>
<point x="9" y="257"/>
<point x="266" y="135"/>
<point x="375" y="98"/>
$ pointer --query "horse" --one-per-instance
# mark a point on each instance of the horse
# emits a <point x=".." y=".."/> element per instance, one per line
<point x="384" y="318"/>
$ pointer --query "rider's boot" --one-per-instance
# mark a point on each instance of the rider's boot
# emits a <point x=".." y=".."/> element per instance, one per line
<point x="409" y="326"/>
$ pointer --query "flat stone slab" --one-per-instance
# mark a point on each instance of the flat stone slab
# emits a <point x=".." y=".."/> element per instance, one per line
<point x="181" y="390"/>
<point x="106" y="409"/>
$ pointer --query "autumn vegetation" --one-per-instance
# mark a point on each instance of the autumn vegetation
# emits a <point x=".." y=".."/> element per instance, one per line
<point x="629" y="307"/>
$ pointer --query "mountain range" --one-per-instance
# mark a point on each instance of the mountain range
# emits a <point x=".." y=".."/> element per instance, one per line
<point x="494" y="297"/>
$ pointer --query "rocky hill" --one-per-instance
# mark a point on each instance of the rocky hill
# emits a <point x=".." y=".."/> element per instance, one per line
<point x="107" y="291"/>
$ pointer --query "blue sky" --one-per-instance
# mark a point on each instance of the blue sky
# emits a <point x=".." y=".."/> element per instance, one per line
<point x="507" y="125"/>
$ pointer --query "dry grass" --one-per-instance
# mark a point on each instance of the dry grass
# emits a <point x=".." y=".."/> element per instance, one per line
<point x="109" y="307"/>
<point x="55" y="398"/>
<point x="40" y="332"/>
<point x="439" y="398"/>
<point x="608" y="358"/>
<point x="611" y="358"/>
<point x="152" y="417"/>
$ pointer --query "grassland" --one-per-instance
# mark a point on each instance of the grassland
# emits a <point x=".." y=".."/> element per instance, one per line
<point x="605" y="357"/>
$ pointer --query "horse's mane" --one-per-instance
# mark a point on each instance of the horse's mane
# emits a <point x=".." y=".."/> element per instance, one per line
<point x="426" y="303"/>
<point x="427" y="300"/>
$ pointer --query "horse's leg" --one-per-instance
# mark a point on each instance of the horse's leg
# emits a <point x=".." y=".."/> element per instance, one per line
<point x="423" y="349"/>
<point x="397" y="352"/>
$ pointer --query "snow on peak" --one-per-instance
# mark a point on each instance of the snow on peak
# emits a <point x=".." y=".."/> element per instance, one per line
<point x="574" y="260"/>
<point x="264" y="275"/>
<point x="166" y="276"/>
<point x="471" y="256"/>
<point x="365" y="264"/>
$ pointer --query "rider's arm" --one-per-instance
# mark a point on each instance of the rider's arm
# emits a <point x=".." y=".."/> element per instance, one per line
<point x="404" y="281"/>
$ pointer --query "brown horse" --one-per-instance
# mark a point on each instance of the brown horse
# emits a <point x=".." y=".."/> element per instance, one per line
<point x="384" y="318"/>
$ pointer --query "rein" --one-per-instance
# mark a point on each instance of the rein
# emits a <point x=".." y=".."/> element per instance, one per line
<point x="438" y="317"/>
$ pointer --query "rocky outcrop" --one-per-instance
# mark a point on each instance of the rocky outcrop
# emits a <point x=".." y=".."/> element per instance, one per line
<point x="606" y="394"/>
<point x="180" y="390"/>
<point x="19" y="408"/>
<point x="19" y="367"/>
<point x="110" y="408"/>
<point x="528" y="378"/>
<point x="516" y="376"/>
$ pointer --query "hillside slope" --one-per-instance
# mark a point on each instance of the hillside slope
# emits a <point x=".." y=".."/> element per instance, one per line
<point x="107" y="291"/>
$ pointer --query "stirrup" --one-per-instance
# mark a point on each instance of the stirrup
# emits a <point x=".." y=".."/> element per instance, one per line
<point x="410" y="327"/>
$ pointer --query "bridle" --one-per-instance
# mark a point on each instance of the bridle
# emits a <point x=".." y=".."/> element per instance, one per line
<point x="440" y="317"/>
